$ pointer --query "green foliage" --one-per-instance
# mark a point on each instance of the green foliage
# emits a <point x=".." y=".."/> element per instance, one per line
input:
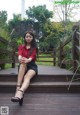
<point x="4" y="33"/>
<point x="44" y="46"/>
<point x="3" y="18"/>
<point x="12" y="23"/>
<point x="39" y="13"/>
<point x="68" y="51"/>
<point x="52" y="34"/>
<point x="19" y="41"/>
<point x="3" y="25"/>
<point x="3" y="55"/>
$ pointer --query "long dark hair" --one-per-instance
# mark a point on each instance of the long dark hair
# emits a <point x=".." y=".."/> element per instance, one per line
<point x="33" y="43"/>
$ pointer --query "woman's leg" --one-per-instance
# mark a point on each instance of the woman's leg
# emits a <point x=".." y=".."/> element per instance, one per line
<point x="21" y="73"/>
<point x="26" y="82"/>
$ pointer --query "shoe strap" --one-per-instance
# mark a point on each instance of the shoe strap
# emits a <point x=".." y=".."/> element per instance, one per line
<point x="20" y="90"/>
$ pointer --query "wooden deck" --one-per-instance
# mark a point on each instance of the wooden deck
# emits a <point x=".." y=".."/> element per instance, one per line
<point x="43" y="104"/>
<point x="49" y="70"/>
<point x="39" y="101"/>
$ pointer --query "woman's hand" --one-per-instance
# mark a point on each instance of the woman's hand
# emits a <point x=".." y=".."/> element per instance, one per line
<point x="20" y="59"/>
<point x="24" y="60"/>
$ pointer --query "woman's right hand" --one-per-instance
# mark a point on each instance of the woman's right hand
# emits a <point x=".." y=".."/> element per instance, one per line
<point x="20" y="59"/>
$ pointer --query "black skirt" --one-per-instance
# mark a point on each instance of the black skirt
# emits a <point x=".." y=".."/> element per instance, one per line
<point x="31" y="66"/>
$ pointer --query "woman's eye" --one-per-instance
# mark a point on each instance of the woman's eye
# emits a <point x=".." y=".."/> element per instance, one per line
<point x="28" y="36"/>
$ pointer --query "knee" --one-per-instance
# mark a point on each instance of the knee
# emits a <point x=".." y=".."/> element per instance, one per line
<point x="23" y="65"/>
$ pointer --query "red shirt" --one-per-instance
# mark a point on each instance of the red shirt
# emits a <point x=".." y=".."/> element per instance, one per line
<point x="23" y="51"/>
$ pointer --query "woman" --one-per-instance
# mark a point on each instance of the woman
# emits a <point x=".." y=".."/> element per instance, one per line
<point x="27" y="68"/>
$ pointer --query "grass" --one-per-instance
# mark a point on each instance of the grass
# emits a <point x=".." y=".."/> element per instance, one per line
<point x="45" y="63"/>
<point x="9" y="66"/>
<point x="44" y="59"/>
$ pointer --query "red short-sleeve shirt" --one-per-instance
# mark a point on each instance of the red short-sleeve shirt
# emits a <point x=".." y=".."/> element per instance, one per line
<point x="23" y="51"/>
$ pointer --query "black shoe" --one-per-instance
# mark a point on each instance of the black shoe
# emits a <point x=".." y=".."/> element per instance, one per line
<point x="17" y="99"/>
<point x="21" y="102"/>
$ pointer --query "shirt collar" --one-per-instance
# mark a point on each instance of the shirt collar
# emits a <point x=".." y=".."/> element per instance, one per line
<point x="26" y="48"/>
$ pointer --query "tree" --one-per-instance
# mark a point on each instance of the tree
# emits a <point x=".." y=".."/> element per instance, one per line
<point x="11" y="28"/>
<point x="12" y="23"/>
<point x="3" y="20"/>
<point x="53" y="33"/>
<point x="39" y="13"/>
<point x="66" y="9"/>
<point x="3" y="25"/>
<point x="3" y="17"/>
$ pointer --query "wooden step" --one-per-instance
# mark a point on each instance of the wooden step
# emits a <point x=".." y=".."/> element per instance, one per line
<point x="39" y="78"/>
<point x="42" y="104"/>
<point x="43" y="87"/>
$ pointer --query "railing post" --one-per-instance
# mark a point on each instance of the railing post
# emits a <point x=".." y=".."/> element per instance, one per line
<point x="75" y="43"/>
<point x="61" y="56"/>
<point x="14" y="53"/>
<point x="13" y="59"/>
<point x="54" y="57"/>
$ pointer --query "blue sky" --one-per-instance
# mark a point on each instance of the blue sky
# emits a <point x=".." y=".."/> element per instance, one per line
<point x="14" y="6"/>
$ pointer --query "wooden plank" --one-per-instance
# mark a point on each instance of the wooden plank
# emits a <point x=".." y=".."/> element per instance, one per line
<point x="43" y="61"/>
<point x="40" y="87"/>
<point x="45" y="57"/>
<point x="6" y="61"/>
<point x="45" y="84"/>
<point x="38" y="78"/>
<point x="43" y="104"/>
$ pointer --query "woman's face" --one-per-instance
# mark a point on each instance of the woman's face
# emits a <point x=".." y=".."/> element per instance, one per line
<point x="28" y="38"/>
